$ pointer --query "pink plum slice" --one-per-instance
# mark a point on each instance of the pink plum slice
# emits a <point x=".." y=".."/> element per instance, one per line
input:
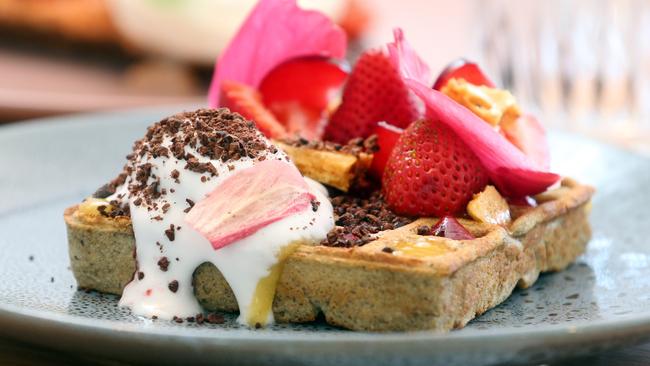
<point x="448" y="227"/>
<point x="250" y="200"/>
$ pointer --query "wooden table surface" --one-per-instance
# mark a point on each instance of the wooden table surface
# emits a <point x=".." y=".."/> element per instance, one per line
<point x="14" y="353"/>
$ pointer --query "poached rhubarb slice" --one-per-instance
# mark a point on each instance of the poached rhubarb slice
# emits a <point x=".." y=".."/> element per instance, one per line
<point x="250" y="200"/>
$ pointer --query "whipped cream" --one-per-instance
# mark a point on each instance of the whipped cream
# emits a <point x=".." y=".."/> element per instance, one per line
<point x="168" y="250"/>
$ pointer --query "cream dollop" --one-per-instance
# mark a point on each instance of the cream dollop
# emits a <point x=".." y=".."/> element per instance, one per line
<point x="168" y="250"/>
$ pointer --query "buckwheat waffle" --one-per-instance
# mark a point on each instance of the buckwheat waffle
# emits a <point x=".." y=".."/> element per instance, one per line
<point x="398" y="281"/>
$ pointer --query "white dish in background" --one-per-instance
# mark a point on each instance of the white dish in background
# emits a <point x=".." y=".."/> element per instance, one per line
<point x="192" y="30"/>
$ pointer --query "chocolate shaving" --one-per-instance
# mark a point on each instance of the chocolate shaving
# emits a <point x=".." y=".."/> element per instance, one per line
<point x="424" y="230"/>
<point x="358" y="219"/>
<point x="214" y="318"/>
<point x="170" y="233"/>
<point x="163" y="263"/>
<point x="314" y="205"/>
<point x="173" y="286"/>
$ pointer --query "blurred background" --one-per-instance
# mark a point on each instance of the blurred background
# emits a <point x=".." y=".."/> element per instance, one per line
<point x="580" y="65"/>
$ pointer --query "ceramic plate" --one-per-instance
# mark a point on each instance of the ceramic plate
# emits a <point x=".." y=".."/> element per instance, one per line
<point x="599" y="302"/>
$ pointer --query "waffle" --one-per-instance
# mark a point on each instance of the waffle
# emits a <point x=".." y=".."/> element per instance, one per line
<point x="341" y="170"/>
<point x="399" y="281"/>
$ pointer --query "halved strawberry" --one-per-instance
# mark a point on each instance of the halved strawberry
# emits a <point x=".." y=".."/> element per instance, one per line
<point x="247" y="101"/>
<point x="431" y="172"/>
<point x="374" y="92"/>
<point x="300" y="91"/>
<point x="448" y="227"/>
<point x="462" y="69"/>
<point x="387" y="136"/>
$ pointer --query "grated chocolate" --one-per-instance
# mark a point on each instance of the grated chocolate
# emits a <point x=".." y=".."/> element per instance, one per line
<point x="358" y="219"/>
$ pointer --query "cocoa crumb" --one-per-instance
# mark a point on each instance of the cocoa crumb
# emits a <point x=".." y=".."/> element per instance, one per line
<point x="173" y="286"/>
<point x="163" y="263"/>
<point x="175" y="174"/>
<point x="424" y="230"/>
<point x="214" y="318"/>
<point x="170" y="233"/>
<point x="102" y="210"/>
<point x="314" y="205"/>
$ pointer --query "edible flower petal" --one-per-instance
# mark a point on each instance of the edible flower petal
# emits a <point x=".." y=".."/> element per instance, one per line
<point x="250" y="200"/>
<point x="275" y="31"/>
<point x="514" y="174"/>
<point x="406" y="60"/>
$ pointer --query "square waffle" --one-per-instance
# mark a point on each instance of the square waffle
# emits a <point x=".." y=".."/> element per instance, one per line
<point x="399" y="280"/>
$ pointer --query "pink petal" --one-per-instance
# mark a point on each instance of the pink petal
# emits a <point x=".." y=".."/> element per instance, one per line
<point x="529" y="136"/>
<point x="406" y="60"/>
<point x="275" y="31"/>
<point x="250" y="200"/>
<point x="514" y="174"/>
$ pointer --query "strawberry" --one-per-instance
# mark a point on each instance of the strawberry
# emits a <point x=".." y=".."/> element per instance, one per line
<point x="374" y="92"/>
<point x="247" y="101"/>
<point x="431" y="172"/>
<point x="387" y="136"/>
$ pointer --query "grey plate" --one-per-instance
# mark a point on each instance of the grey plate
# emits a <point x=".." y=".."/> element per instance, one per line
<point x="600" y="302"/>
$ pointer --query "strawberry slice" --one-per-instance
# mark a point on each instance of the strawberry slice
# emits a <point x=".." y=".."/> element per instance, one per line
<point x="376" y="92"/>
<point x="300" y="91"/>
<point x="247" y="101"/>
<point x="250" y="200"/>
<point x="448" y="227"/>
<point x="529" y="136"/>
<point x="462" y="69"/>
<point x="431" y="172"/>
<point x="387" y="136"/>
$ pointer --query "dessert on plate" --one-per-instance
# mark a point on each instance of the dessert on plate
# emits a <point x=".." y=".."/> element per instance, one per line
<point x="368" y="195"/>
